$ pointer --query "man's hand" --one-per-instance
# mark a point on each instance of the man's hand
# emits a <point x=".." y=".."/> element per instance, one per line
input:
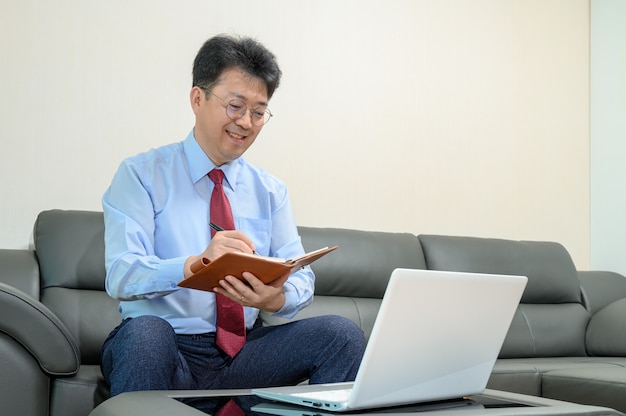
<point x="266" y="297"/>
<point x="222" y="242"/>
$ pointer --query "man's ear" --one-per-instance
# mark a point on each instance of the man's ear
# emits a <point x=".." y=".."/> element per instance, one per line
<point x="196" y="97"/>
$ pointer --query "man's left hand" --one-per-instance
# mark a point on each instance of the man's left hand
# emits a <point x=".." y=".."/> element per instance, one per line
<point x="253" y="292"/>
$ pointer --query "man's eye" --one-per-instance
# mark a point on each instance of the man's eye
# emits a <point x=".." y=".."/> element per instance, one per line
<point x="236" y="106"/>
<point x="259" y="114"/>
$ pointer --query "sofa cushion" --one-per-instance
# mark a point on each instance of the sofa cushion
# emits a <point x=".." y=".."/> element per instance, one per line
<point x="593" y="386"/>
<point x="525" y="375"/>
<point x="90" y="315"/>
<point x="522" y="381"/>
<point x="532" y="332"/>
<point x="78" y="395"/>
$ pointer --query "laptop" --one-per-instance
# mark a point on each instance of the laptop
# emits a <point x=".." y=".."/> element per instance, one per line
<point x="436" y="337"/>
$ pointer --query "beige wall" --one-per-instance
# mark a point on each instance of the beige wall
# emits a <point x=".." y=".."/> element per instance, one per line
<point x="466" y="117"/>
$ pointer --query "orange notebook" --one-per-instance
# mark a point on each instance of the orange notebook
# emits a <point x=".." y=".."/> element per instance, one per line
<point x="207" y="274"/>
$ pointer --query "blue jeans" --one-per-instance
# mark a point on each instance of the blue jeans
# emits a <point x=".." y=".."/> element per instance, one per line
<point x="144" y="353"/>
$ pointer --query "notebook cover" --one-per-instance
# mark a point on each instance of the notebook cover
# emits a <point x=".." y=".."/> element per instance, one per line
<point x="208" y="273"/>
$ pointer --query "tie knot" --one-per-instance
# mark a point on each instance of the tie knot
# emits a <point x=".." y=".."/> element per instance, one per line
<point x="216" y="175"/>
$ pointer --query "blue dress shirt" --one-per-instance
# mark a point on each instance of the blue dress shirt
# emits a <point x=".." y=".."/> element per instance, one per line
<point x="156" y="214"/>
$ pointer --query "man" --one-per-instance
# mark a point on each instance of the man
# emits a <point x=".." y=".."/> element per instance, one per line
<point x="157" y="213"/>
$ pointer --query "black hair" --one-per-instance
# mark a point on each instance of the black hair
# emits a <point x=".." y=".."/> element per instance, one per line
<point x="223" y="52"/>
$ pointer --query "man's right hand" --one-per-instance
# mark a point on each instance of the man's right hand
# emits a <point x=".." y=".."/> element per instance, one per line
<point x="223" y="242"/>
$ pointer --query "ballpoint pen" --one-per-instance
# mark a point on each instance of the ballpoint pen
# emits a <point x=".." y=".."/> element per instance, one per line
<point x="218" y="228"/>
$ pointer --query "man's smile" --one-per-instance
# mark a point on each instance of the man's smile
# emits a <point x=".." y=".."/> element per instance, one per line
<point x="236" y="136"/>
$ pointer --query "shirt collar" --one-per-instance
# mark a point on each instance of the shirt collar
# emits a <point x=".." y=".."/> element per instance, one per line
<point x="200" y="164"/>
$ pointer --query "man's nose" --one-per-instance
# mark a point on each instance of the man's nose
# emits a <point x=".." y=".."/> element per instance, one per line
<point x="245" y="121"/>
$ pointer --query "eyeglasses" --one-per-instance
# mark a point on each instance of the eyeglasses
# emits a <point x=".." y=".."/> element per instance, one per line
<point x="235" y="109"/>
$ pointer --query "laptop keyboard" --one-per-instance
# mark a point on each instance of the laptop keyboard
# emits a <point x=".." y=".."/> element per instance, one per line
<point x="339" y="395"/>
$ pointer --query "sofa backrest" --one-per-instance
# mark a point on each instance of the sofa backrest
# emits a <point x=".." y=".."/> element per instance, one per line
<point x="70" y="248"/>
<point x="362" y="265"/>
<point x="20" y="270"/>
<point x="551" y="318"/>
<point x="351" y="281"/>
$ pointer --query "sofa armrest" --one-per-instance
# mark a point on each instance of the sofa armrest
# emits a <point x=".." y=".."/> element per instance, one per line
<point x="605" y="297"/>
<point x="606" y="333"/>
<point x="601" y="288"/>
<point x="39" y="331"/>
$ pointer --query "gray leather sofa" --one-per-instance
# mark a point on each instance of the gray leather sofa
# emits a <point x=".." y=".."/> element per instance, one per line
<point x="567" y="340"/>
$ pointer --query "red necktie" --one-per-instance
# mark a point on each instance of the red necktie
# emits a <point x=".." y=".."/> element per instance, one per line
<point x="231" y="325"/>
<point x="230" y="409"/>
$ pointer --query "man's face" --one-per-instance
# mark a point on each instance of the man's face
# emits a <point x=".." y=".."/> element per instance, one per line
<point x="221" y="138"/>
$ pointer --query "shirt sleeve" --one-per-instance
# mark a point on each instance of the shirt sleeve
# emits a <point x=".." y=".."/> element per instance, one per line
<point x="300" y="286"/>
<point x="133" y="270"/>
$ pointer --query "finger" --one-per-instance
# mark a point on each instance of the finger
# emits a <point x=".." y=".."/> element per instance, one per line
<point x="238" y="240"/>
<point x="237" y="285"/>
<point x="231" y="294"/>
<point x="253" y="282"/>
<point x="238" y="290"/>
<point x="227" y="289"/>
<point x="223" y="244"/>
